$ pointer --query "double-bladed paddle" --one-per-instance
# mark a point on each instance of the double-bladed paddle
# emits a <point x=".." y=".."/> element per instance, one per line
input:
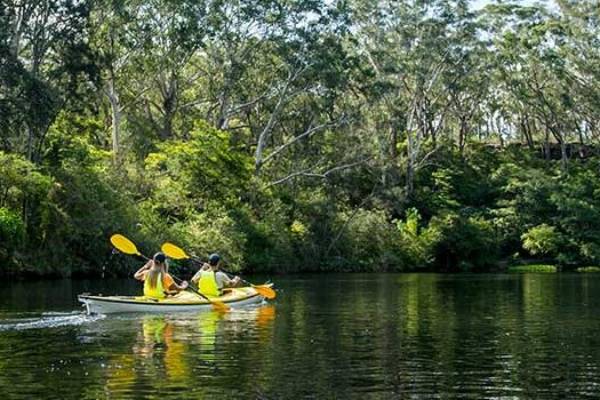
<point x="178" y="253"/>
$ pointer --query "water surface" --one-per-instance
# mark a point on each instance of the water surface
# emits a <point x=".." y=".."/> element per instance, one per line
<point x="378" y="336"/>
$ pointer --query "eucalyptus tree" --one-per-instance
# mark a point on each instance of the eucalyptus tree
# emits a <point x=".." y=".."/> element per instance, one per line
<point x="44" y="56"/>
<point x="534" y="74"/>
<point x="273" y="72"/>
<point x="145" y="46"/>
<point x="581" y="50"/>
<point x="415" y="50"/>
<point x="115" y="40"/>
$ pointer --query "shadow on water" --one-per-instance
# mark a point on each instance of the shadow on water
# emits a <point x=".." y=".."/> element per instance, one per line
<point x="335" y="336"/>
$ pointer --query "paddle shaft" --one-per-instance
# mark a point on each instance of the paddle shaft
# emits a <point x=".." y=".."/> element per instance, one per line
<point x="194" y="290"/>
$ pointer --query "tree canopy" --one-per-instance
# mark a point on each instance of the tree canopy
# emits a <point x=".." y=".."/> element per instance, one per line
<point x="292" y="135"/>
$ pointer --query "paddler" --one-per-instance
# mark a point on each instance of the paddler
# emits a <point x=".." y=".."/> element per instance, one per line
<point x="158" y="284"/>
<point x="210" y="280"/>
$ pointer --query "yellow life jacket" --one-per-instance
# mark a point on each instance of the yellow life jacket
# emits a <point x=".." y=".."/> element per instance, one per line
<point x="156" y="292"/>
<point x="207" y="285"/>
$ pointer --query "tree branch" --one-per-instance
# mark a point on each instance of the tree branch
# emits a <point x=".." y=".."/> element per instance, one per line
<point x="323" y="175"/>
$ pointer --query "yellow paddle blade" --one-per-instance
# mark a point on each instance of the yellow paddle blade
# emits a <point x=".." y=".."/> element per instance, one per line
<point x="173" y="251"/>
<point x="124" y="245"/>
<point x="265" y="291"/>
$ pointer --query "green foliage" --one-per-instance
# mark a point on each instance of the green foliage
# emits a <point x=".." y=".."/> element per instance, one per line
<point x="370" y="242"/>
<point x="588" y="269"/>
<point x="532" y="268"/>
<point x="465" y="243"/>
<point x="185" y="175"/>
<point x="299" y="136"/>
<point x="12" y="229"/>
<point x="541" y="240"/>
<point x="12" y="232"/>
<point x="417" y="243"/>
<point x="21" y="179"/>
<point x="213" y="231"/>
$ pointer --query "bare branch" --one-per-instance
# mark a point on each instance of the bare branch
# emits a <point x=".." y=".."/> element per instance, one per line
<point x="264" y="135"/>
<point x="322" y="175"/>
<point x="307" y="133"/>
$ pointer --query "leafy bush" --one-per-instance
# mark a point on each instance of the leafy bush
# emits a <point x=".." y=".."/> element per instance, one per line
<point x="417" y="243"/>
<point x="541" y="240"/>
<point x="187" y="174"/>
<point x="11" y="225"/>
<point x="213" y="231"/>
<point x="465" y="243"/>
<point x="12" y="230"/>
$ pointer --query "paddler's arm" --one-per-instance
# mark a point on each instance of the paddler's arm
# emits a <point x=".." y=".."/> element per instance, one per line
<point x="225" y="281"/>
<point x="196" y="276"/>
<point x="140" y="274"/>
<point x="173" y="287"/>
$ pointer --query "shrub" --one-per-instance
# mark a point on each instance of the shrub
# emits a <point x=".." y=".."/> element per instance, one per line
<point x="532" y="268"/>
<point x="369" y="242"/>
<point x="464" y="243"/>
<point x="541" y="240"/>
<point x="213" y="231"/>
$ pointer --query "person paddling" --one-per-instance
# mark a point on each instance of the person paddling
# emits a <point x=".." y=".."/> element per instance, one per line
<point x="210" y="280"/>
<point x="158" y="284"/>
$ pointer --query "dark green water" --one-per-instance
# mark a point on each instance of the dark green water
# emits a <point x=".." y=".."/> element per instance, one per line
<point x="325" y="337"/>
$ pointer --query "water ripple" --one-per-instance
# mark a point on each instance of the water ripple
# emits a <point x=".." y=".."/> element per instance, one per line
<point x="48" y="320"/>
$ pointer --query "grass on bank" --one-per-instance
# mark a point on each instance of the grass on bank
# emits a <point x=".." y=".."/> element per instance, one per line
<point x="588" y="269"/>
<point x="532" y="268"/>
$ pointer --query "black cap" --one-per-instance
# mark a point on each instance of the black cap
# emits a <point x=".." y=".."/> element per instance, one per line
<point x="160" y="257"/>
<point x="213" y="259"/>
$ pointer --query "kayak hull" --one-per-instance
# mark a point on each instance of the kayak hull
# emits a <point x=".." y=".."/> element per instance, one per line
<point x="183" y="302"/>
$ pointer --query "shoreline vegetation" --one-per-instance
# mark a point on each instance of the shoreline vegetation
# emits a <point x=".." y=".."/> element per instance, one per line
<point x="374" y="136"/>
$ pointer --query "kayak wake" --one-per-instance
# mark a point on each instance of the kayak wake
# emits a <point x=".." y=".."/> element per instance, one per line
<point x="48" y="320"/>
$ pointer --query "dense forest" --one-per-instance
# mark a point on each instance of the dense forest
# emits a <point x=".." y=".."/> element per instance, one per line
<point x="300" y="135"/>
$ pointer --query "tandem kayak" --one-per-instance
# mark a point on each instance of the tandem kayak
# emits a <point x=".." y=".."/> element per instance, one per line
<point x="184" y="301"/>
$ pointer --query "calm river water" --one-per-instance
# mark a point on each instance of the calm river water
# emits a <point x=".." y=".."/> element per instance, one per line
<point x="380" y="336"/>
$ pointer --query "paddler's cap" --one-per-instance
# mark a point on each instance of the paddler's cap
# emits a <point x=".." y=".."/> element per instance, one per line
<point x="160" y="257"/>
<point x="213" y="259"/>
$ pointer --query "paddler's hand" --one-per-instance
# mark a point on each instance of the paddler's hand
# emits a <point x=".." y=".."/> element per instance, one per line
<point x="184" y="285"/>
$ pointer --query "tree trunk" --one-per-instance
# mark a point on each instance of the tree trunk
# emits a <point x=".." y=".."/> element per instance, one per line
<point x="499" y="127"/>
<point x="410" y="166"/>
<point x="116" y="114"/>
<point x="168" y="89"/>
<point x="527" y="132"/>
<point x="547" y="145"/>
<point x="464" y="126"/>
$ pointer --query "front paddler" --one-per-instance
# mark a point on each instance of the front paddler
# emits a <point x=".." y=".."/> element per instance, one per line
<point x="210" y="280"/>
<point x="158" y="284"/>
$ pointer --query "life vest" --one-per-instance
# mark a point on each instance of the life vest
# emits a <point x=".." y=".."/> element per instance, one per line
<point x="156" y="292"/>
<point x="207" y="285"/>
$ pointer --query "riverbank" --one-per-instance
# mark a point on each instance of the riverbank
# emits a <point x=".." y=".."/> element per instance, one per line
<point x="184" y="272"/>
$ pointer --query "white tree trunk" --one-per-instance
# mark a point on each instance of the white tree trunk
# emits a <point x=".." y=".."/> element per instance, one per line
<point x="116" y="116"/>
